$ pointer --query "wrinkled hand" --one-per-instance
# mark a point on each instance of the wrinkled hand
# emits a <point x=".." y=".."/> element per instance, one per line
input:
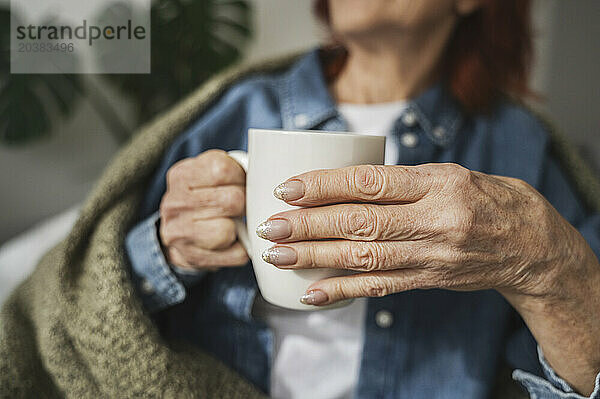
<point x="196" y="226"/>
<point x="417" y="227"/>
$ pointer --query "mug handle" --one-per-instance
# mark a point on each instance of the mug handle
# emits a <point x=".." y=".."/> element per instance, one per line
<point x="241" y="157"/>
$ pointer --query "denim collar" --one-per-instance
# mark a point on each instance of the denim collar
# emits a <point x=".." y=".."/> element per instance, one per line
<point x="305" y="99"/>
<point x="306" y="103"/>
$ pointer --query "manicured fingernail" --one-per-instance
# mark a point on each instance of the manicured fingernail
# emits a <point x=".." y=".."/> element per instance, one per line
<point x="290" y="190"/>
<point x="275" y="229"/>
<point x="280" y="256"/>
<point x="314" y="297"/>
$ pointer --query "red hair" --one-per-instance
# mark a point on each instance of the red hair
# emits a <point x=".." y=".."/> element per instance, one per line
<point x="488" y="55"/>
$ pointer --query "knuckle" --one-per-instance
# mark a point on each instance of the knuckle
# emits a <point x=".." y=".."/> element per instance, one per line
<point x="366" y="286"/>
<point x="461" y="224"/>
<point x="212" y="153"/>
<point x="223" y="236"/>
<point x="174" y="257"/>
<point x="240" y="258"/>
<point x="359" y="223"/>
<point x="221" y="168"/>
<point x="339" y="289"/>
<point x="311" y="256"/>
<point x="233" y="201"/>
<point x="374" y="287"/>
<point x="166" y="209"/>
<point x="165" y="238"/>
<point x="169" y="233"/>
<point x="364" y="257"/>
<point x="177" y="173"/>
<point x="302" y="224"/>
<point x="462" y="176"/>
<point x="454" y="176"/>
<point x="369" y="180"/>
<point x="170" y="206"/>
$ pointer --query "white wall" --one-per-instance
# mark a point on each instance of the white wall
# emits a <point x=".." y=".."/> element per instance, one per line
<point x="283" y="26"/>
<point x="45" y="178"/>
<point x="49" y="176"/>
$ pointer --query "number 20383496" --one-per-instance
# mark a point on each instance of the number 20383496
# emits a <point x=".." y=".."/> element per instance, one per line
<point x="46" y="47"/>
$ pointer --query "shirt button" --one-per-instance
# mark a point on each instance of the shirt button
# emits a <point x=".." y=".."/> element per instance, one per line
<point x="300" y="120"/>
<point x="439" y="132"/>
<point x="410" y="140"/>
<point x="147" y="287"/>
<point x="409" y="118"/>
<point x="384" y="319"/>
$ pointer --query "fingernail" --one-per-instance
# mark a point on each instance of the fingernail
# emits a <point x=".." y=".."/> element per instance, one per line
<point x="280" y="256"/>
<point x="314" y="297"/>
<point x="290" y="190"/>
<point x="275" y="229"/>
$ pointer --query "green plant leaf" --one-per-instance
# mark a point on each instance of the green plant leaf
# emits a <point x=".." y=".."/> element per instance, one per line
<point x="190" y="41"/>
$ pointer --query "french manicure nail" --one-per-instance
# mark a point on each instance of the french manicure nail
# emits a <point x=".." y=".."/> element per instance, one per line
<point x="314" y="297"/>
<point x="275" y="229"/>
<point x="280" y="256"/>
<point x="290" y="190"/>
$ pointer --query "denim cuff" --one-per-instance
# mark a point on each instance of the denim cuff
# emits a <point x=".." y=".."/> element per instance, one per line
<point x="156" y="283"/>
<point x="553" y="387"/>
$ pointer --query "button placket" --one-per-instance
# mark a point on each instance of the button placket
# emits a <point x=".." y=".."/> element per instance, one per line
<point x="409" y="118"/>
<point x="376" y="374"/>
<point x="384" y="318"/>
<point x="300" y="120"/>
<point x="409" y="139"/>
<point x="439" y="133"/>
<point x="147" y="287"/>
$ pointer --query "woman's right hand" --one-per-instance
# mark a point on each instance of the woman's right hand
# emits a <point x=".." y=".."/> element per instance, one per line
<point x="203" y="196"/>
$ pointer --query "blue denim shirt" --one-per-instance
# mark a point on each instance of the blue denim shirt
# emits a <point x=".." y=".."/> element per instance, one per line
<point x="440" y="344"/>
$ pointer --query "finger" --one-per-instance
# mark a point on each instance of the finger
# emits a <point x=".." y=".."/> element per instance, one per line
<point x="209" y="169"/>
<point x="211" y="234"/>
<point x="224" y="201"/>
<point x="205" y="203"/>
<point x="361" y="222"/>
<point x="372" y="284"/>
<point x="365" y="183"/>
<point x="351" y="255"/>
<point x="192" y="257"/>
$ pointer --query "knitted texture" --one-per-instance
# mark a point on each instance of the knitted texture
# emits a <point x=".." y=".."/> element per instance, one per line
<point x="75" y="328"/>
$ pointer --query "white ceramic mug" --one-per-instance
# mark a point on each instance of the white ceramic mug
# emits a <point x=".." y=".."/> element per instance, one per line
<point x="273" y="157"/>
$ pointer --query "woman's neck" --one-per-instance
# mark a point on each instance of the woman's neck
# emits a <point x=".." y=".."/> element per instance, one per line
<point x="392" y="69"/>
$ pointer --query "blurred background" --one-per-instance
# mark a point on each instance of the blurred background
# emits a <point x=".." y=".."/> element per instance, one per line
<point x="51" y="156"/>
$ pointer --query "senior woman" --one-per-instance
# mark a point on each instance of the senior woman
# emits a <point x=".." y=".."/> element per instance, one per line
<point x="471" y="223"/>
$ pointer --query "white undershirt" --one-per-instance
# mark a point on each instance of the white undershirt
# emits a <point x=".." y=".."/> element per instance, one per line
<point x="317" y="354"/>
<point x="376" y="120"/>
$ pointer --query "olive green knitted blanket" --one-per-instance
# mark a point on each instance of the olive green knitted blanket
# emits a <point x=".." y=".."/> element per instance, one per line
<point x="75" y="327"/>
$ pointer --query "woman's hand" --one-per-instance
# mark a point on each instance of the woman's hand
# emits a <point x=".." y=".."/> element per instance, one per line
<point x="444" y="226"/>
<point x="428" y="226"/>
<point x="196" y="226"/>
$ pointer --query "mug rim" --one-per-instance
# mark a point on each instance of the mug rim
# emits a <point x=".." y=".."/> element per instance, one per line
<point x="293" y="132"/>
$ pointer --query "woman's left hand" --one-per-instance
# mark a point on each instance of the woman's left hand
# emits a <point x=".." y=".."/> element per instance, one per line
<point x="418" y="227"/>
<point x="444" y="226"/>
